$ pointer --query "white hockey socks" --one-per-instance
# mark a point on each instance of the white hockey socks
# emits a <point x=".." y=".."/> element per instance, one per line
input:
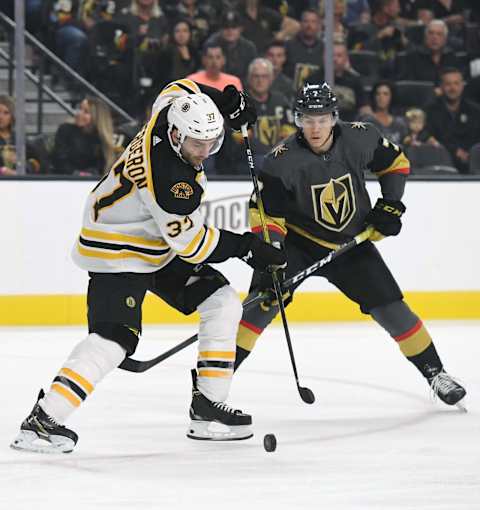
<point x="220" y="315"/>
<point x="90" y="361"/>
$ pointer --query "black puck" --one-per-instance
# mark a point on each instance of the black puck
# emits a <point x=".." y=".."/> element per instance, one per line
<point x="270" y="443"/>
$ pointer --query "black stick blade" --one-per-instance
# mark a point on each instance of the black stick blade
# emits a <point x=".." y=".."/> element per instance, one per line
<point x="306" y="394"/>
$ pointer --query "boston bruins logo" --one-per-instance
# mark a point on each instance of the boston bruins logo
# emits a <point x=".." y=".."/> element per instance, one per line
<point x="334" y="203"/>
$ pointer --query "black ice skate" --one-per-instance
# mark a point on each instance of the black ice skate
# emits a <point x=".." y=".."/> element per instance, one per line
<point x="40" y="433"/>
<point x="446" y="388"/>
<point x="216" y="421"/>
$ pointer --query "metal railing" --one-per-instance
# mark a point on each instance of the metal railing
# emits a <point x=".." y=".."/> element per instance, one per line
<point x="45" y="55"/>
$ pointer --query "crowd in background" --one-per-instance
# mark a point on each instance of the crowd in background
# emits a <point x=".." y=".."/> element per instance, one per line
<point x="412" y="67"/>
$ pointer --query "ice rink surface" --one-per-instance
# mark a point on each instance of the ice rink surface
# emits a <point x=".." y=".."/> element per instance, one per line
<point x="372" y="440"/>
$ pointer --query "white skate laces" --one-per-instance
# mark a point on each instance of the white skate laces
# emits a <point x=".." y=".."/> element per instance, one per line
<point x="442" y="383"/>
<point x="448" y="389"/>
<point x="224" y="407"/>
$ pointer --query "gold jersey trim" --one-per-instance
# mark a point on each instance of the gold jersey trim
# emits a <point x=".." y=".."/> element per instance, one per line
<point x="155" y="260"/>
<point x="124" y="238"/>
<point x="316" y="240"/>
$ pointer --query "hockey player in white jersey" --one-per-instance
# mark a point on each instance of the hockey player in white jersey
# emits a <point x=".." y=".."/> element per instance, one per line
<point x="143" y="230"/>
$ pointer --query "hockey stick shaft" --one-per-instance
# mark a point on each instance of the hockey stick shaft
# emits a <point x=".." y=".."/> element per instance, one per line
<point x="305" y="393"/>
<point x="133" y="365"/>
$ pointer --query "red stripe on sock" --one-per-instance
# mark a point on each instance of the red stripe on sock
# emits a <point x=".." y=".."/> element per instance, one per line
<point x="409" y="333"/>
<point x="405" y="171"/>
<point x="271" y="228"/>
<point x="251" y="327"/>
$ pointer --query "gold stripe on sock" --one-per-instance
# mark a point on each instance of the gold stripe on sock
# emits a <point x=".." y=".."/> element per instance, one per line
<point x="217" y="354"/>
<point x="66" y="394"/>
<point x="246" y="338"/>
<point x="214" y="373"/>
<point x="88" y="387"/>
<point x="415" y="343"/>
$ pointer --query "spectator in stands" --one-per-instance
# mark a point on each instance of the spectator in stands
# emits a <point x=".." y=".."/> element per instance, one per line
<point x="96" y="11"/>
<point x="85" y="147"/>
<point x="275" y="118"/>
<point x="180" y="57"/>
<point x="453" y="120"/>
<point x="340" y="29"/>
<point x="383" y="35"/>
<point x="147" y="32"/>
<point x="8" y="157"/>
<point x="351" y="97"/>
<point x="238" y="51"/>
<point x="358" y="12"/>
<point x="452" y="12"/>
<point x="70" y="41"/>
<point x="418" y="133"/>
<point x="260" y="24"/>
<point x="382" y="99"/>
<point x="413" y="12"/>
<point x="201" y="17"/>
<point x="424" y="63"/>
<point x="213" y="61"/>
<point x="277" y="55"/>
<point x="305" y="50"/>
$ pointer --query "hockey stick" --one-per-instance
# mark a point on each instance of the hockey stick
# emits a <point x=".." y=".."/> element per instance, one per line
<point x="306" y="394"/>
<point x="133" y="365"/>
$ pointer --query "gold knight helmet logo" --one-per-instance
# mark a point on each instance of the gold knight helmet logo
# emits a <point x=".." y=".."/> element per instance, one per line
<point x="334" y="203"/>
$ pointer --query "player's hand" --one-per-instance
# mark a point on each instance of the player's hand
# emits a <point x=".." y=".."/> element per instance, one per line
<point x="237" y="108"/>
<point x="261" y="255"/>
<point x="385" y="218"/>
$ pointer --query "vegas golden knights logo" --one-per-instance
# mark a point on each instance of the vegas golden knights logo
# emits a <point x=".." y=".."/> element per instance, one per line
<point x="268" y="130"/>
<point x="334" y="203"/>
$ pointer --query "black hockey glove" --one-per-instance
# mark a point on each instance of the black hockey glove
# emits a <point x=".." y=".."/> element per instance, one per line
<point x="385" y="218"/>
<point x="261" y="255"/>
<point x="263" y="281"/>
<point x="237" y="108"/>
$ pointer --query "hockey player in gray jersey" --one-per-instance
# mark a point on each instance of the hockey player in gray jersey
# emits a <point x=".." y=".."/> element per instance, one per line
<point x="315" y="199"/>
<point x="143" y="230"/>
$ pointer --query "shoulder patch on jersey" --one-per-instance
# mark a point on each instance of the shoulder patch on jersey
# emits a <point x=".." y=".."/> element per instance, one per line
<point x="182" y="190"/>
<point x="279" y="150"/>
<point x="358" y="125"/>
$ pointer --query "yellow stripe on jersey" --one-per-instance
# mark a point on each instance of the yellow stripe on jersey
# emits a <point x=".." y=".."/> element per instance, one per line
<point x="122" y="254"/>
<point x="170" y="88"/>
<point x="193" y="244"/>
<point x="86" y="385"/>
<point x="190" y="84"/>
<point x="400" y="165"/>
<point x="124" y="238"/>
<point x="175" y="87"/>
<point x="216" y="355"/>
<point x="207" y="242"/>
<point x="75" y="401"/>
<point x="146" y="143"/>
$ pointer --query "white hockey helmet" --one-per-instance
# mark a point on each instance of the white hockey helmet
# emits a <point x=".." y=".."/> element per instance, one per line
<point x="196" y="116"/>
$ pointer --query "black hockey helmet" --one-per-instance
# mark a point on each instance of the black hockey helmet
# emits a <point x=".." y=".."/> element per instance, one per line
<point x="315" y="99"/>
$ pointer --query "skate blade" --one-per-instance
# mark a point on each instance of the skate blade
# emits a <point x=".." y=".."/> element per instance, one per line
<point x="461" y="406"/>
<point x="213" y="431"/>
<point x="30" y="441"/>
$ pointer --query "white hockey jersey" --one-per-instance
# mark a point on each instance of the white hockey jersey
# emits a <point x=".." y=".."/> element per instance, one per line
<point x="145" y="211"/>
